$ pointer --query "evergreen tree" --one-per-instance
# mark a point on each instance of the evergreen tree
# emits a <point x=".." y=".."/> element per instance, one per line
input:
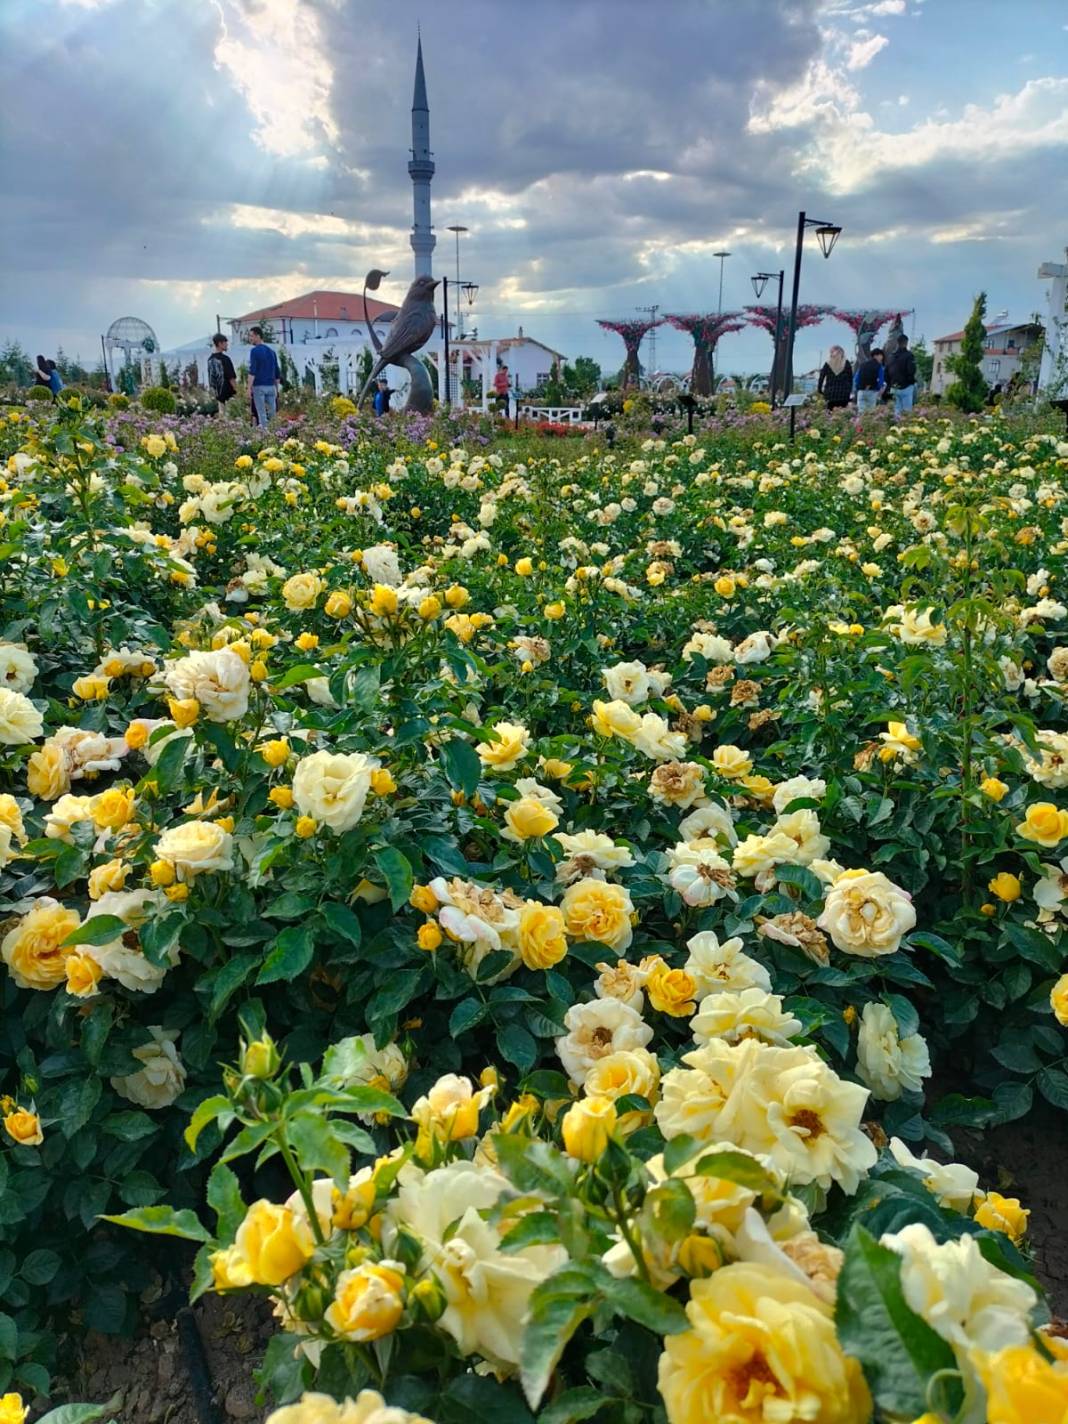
<point x="16" y="368"/>
<point x="968" y="391"/>
<point x="924" y="361"/>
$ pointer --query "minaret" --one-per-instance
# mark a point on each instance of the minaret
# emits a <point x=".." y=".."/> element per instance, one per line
<point x="421" y="170"/>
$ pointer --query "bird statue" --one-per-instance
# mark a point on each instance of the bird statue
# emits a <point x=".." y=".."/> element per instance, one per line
<point x="411" y="328"/>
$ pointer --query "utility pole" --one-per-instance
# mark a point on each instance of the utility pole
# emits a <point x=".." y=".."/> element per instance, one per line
<point x="651" y="313"/>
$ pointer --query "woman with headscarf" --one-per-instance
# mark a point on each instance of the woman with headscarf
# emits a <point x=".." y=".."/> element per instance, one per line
<point x="836" y="379"/>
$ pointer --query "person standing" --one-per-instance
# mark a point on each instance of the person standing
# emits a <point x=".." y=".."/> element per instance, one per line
<point x="836" y="379"/>
<point x="47" y="374"/>
<point x="901" y="376"/>
<point x="869" y="380"/>
<point x="222" y="378"/>
<point x="263" y="377"/>
<point x="382" y="395"/>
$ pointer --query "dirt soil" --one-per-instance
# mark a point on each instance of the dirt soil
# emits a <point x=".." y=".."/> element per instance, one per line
<point x="1029" y="1160"/>
<point x="150" y="1374"/>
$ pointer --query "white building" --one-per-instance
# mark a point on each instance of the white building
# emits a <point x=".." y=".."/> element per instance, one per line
<point x="1003" y="348"/>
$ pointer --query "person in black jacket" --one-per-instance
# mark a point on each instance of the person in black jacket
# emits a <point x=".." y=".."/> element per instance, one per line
<point x="869" y="380"/>
<point x="901" y="376"/>
<point x="836" y="379"/>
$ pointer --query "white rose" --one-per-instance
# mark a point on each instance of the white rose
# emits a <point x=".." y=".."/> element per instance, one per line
<point x="711" y="822"/>
<point x="627" y="682"/>
<point x="798" y="788"/>
<point x="381" y="565"/>
<point x="162" y="1078"/>
<point x="121" y="961"/>
<point x="332" y="787"/>
<point x="219" y="681"/>
<point x="596" y="1029"/>
<point x="18" y="670"/>
<point x="196" y="847"/>
<point x="888" y="1063"/>
<point x="20" y="721"/>
<point x="750" y="1013"/>
<point x="715" y="967"/>
<point x="866" y="914"/>
<point x="955" y="1185"/>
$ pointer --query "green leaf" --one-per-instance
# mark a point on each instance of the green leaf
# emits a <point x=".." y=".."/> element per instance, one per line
<point x="552" y="1319"/>
<point x="533" y="1166"/>
<point x="162" y="1221"/>
<point x="679" y="1151"/>
<point x="342" y="921"/>
<point x="227" y="980"/>
<point x="517" y="1046"/>
<point x="39" y="1267"/>
<point x="537" y="1228"/>
<point x="303" y="672"/>
<point x="575" y="1404"/>
<point x="640" y="1302"/>
<point x="224" y="1198"/>
<point x="77" y="1413"/>
<point x="289" y="955"/>
<point x="671" y="1209"/>
<point x="100" y="929"/>
<point x="129" y="1126"/>
<point x="472" y="1397"/>
<point x="951" y="953"/>
<point x="206" y="1112"/>
<point x="365" y="687"/>
<point x="466" y="1014"/>
<point x="738" y="1167"/>
<point x="810" y="885"/>
<point x="461" y="764"/>
<point x="1053" y="1085"/>
<point x="158" y="935"/>
<point x="898" y="1351"/>
<point x="317" y="1148"/>
<point x="397" y="870"/>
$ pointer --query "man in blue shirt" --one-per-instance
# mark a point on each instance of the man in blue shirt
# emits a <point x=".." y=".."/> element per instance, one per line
<point x="262" y="377"/>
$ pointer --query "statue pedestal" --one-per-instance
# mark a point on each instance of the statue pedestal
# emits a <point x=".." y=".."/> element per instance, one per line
<point x="420" y="392"/>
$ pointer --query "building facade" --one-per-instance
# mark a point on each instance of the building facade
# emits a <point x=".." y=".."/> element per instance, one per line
<point x="1003" y="348"/>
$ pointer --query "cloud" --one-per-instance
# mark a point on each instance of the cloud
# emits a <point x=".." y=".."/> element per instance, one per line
<point x="889" y="7"/>
<point x="863" y="51"/>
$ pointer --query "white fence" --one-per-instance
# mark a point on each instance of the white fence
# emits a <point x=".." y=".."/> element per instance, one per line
<point x="558" y="414"/>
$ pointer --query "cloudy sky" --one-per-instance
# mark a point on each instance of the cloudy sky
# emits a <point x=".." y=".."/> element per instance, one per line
<point x="171" y="159"/>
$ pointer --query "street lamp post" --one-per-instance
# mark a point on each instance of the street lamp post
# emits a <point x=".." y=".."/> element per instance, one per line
<point x="827" y="234"/>
<point x="760" y="281"/>
<point x="458" y="228"/>
<point x="722" y="256"/>
<point x="445" y="334"/>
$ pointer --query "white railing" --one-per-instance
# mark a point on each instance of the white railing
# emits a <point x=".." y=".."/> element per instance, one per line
<point x="558" y="414"/>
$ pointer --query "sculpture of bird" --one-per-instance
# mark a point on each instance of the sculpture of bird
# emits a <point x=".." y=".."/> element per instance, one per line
<point x="411" y="328"/>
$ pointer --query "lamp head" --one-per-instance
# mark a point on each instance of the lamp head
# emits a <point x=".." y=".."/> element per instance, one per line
<point x="827" y="235"/>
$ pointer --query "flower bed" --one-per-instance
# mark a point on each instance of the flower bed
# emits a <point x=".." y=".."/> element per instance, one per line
<point x="616" y="844"/>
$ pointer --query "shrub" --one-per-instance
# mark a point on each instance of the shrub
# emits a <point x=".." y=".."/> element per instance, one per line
<point x="157" y="399"/>
<point x="118" y="401"/>
<point x="38" y="393"/>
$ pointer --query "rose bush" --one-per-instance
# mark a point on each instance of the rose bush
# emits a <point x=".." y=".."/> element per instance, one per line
<point x="742" y="756"/>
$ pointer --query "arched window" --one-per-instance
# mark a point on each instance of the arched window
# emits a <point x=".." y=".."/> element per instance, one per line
<point x="331" y="331"/>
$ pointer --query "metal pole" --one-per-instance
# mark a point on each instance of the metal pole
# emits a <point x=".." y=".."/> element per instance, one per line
<point x="778" y="341"/>
<point x="459" y="293"/>
<point x="788" y="371"/>
<point x="719" y="305"/>
<point x="445" y="322"/>
<point x="107" y="374"/>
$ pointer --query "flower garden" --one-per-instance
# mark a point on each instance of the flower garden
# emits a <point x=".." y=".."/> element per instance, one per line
<point x="536" y="918"/>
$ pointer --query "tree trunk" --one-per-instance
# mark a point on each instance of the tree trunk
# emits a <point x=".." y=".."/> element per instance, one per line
<point x="701" y="375"/>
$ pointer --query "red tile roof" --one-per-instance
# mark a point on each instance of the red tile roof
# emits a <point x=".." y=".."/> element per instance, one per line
<point x="327" y="306"/>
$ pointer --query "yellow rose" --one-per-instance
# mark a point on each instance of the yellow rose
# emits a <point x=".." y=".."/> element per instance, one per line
<point x="1044" y="823"/>
<point x="528" y="818"/>
<point x="993" y="788"/>
<point x="555" y="611"/>
<point x="1058" y="1000"/>
<point x="83" y="976"/>
<point x="1004" y="1214"/>
<point x="731" y="761"/>
<point x="194" y="848"/>
<point x="1022" y="1387"/>
<point x="12" y="1409"/>
<point x="620" y="1074"/>
<point x="596" y="910"/>
<point x="301" y="591"/>
<point x="556" y="769"/>
<point x="33" y="949"/>
<point x="90" y="688"/>
<point x="307" y="642"/>
<point x="368" y="1302"/>
<point x="456" y="596"/>
<point x="184" y="711"/>
<point x="761" y="1346"/>
<point x="338" y="605"/>
<point x="382" y="783"/>
<point x="429" y="608"/>
<point x="508" y="748"/>
<point x="699" y="1256"/>
<point x="542" y="940"/>
<point x="47" y="773"/>
<point x="423" y="898"/>
<point x="305" y="827"/>
<point x="281" y="796"/>
<point x="449" y="1111"/>
<point x="275" y="752"/>
<point x="866" y="914"/>
<point x="524" y="567"/>
<point x="229" y="1270"/>
<point x="587" y="1126"/>
<point x="273" y="1242"/>
<point x="384" y="600"/>
<point x="112" y="809"/>
<point x="1005" y="886"/>
<point x="136" y="736"/>
<point x="615" y="719"/>
<point x="429" y="936"/>
<point x="155" y="445"/>
<point x="724" y="586"/>
<point x="24" y="1127"/>
<point x="109" y="876"/>
<point x="671" y="991"/>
